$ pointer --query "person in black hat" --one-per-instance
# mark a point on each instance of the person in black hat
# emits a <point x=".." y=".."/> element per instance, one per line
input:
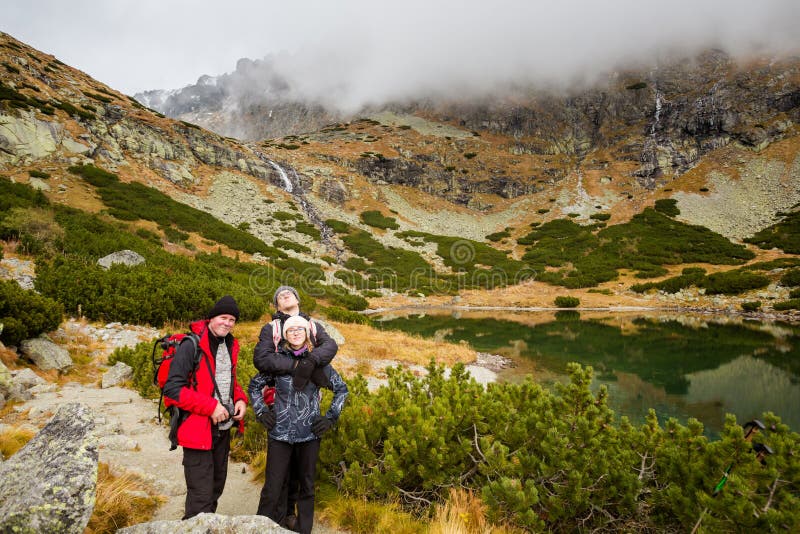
<point x="211" y="400"/>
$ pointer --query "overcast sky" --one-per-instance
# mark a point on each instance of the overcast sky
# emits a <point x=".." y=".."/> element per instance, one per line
<point x="367" y="50"/>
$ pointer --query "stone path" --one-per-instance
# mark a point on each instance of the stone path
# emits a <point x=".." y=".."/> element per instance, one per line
<point x="131" y="441"/>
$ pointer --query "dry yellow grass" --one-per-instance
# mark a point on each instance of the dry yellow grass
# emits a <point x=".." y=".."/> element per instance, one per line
<point x="464" y="513"/>
<point x="8" y="357"/>
<point x="13" y="439"/>
<point x="121" y="501"/>
<point x="367" y="343"/>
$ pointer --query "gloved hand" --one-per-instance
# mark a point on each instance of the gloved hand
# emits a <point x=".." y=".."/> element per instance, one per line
<point x="267" y="418"/>
<point x="320" y="378"/>
<point x="302" y="373"/>
<point x="321" y="425"/>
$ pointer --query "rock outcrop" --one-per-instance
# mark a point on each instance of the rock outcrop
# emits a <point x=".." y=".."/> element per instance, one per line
<point x="117" y="375"/>
<point x="46" y="354"/>
<point x="49" y="485"/>
<point x="123" y="257"/>
<point x="209" y="524"/>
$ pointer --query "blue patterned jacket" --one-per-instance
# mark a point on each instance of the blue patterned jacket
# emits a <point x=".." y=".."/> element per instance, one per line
<point x="296" y="410"/>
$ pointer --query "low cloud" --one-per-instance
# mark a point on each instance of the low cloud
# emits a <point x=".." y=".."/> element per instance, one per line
<point x="478" y="48"/>
<point x="350" y="53"/>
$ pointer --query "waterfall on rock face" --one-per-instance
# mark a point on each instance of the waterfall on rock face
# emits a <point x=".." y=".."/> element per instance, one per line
<point x="326" y="233"/>
<point x="287" y="185"/>
<point x="657" y="114"/>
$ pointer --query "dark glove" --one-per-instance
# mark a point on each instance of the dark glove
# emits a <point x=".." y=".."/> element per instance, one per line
<point x="320" y="378"/>
<point x="321" y="425"/>
<point x="267" y="418"/>
<point x="302" y="373"/>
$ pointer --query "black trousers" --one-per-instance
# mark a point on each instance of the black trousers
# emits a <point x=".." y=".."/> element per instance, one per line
<point x="281" y="457"/>
<point x="205" y="473"/>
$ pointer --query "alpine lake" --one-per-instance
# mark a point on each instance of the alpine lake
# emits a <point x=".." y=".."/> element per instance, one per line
<point x="682" y="365"/>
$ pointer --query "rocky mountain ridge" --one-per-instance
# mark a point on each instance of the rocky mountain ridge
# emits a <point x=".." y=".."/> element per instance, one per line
<point x="723" y="135"/>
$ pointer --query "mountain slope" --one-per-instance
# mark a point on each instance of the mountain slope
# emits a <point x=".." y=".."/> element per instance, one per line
<point x="447" y="190"/>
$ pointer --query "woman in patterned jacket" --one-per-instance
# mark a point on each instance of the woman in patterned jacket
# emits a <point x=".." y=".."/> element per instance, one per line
<point x="298" y="428"/>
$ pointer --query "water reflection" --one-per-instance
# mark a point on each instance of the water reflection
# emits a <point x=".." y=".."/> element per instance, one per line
<point x="681" y="365"/>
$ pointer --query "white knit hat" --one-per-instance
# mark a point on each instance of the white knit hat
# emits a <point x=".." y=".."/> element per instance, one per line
<point x="296" y="320"/>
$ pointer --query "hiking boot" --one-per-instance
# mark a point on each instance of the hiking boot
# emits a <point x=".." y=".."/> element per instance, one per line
<point x="290" y="523"/>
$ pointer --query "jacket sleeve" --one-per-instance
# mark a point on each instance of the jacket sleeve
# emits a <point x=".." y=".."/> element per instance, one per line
<point x="266" y="359"/>
<point x="178" y="388"/>
<point x="325" y="347"/>
<point x="340" y="393"/>
<point x="254" y="390"/>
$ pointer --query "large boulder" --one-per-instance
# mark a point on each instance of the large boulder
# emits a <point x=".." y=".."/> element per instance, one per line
<point x="49" y="485"/>
<point x="332" y="331"/>
<point x="125" y="257"/>
<point x="46" y="354"/>
<point x="209" y="524"/>
<point x="117" y="375"/>
<point x="22" y="384"/>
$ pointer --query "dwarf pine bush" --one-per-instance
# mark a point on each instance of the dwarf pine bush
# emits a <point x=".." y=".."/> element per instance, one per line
<point x="553" y="460"/>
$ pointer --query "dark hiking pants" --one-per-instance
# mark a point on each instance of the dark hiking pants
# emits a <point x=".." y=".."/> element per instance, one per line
<point x="280" y="457"/>
<point x="205" y="473"/>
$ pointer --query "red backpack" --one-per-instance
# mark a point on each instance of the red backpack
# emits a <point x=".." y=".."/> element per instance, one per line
<point x="169" y="344"/>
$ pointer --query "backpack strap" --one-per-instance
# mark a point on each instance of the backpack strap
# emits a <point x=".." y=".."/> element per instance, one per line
<point x="276" y="332"/>
<point x="313" y="330"/>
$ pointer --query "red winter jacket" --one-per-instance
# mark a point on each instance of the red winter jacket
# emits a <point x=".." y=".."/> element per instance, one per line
<point x="195" y="432"/>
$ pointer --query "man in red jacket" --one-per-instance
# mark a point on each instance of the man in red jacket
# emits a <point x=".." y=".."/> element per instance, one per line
<point x="210" y="401"/>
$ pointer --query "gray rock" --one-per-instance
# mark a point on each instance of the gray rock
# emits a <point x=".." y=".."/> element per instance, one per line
<point x="332" y="331"/>
<point x="27" y="379"/>
<point x="5" y="379"/>
<point x="49" y="485"/>
<point x="118" y="443"/>
<point x="125" y="257"/>
<point x="46" y="354"/>
<point x="208" y="524"/>
<point x="117" y="375"/>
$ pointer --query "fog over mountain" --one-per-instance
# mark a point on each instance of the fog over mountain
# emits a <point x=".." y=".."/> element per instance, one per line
<point x="478" y="50"/>
<point x="353" y="53"/>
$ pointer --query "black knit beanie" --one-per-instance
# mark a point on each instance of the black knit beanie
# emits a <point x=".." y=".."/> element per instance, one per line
<point x="225" y="305"/>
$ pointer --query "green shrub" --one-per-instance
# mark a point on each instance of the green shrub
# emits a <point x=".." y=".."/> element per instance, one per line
<point x="784" y="235"/>
<point x="469" y="155"/>
<point x="25" y="314"/>
<point x="667" y="206"/>
<point x="291" y="245"/>
<point x="376" y="219"/>
<point x="751" y="306"/>
<point x="340" y="297"/>
<point x="35" y="228"/>
<point x="341" y="315"/>
<point x="794" y="293"/>
<point x="562" y="301"/>
<point x="133" y="201"/>
<point x="286" y="216"/>
<point x="340" y="227"/>
<point x="497" y="236"/>
<point x="600" y="216"/>
<point x="791" y="278"/>
<point x="38" y="174"/>
<point x="733" y="282"/>
<point x="308" y="229"/>
<point x="544" y="461"/>
<point x="792" y="304"/>
<point x="173" y="235"/>
<point x="636" y="86"/>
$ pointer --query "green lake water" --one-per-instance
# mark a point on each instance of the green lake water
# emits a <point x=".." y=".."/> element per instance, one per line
<point x="681" y="365"/>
